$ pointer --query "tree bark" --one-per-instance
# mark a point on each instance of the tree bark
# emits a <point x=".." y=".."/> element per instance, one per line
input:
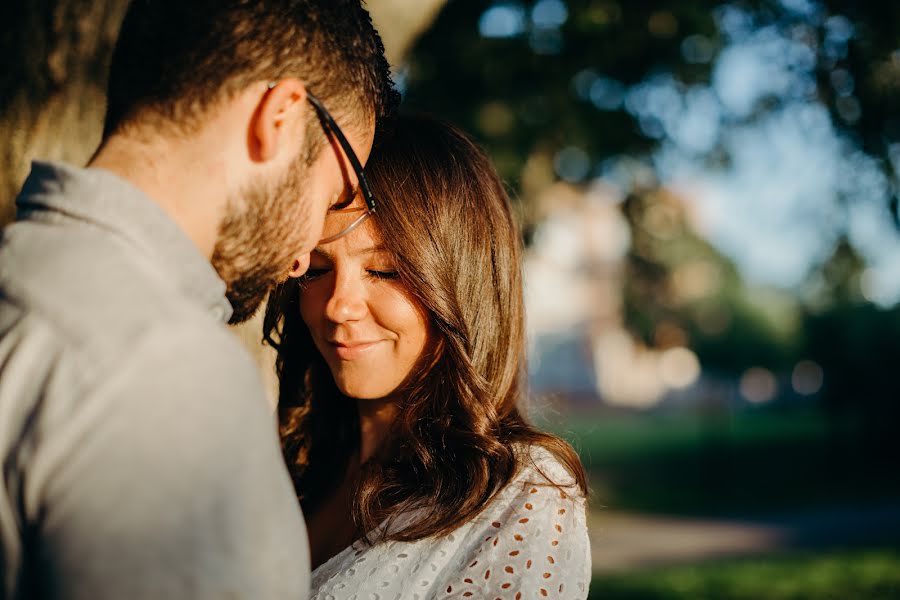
<point x="53" y="84"/>
<point x="401" y="22"/>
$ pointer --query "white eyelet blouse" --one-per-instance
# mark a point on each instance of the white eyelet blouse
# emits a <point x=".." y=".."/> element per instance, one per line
<point x="530" y="542"/>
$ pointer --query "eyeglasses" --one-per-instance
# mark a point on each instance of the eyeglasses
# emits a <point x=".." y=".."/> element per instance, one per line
<point x="329" y="124"/>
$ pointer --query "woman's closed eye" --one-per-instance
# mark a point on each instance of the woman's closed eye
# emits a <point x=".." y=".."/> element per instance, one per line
<point x="383" y="274"/>
<point x="311" y="275"/>
<point x="314" y="273"/>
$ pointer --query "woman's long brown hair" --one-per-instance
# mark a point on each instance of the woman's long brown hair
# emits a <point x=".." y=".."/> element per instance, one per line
<point x="445" y="216"/>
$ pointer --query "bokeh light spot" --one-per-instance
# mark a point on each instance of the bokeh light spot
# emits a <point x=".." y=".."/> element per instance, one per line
<point x="572" y="164"/>
<point x="496" y="119"/>
<point x="663" y="24"/>
<point x="679" y="367"/>
<point x="758" y="385"/>
<point x="582" y="82"/>
<point x="607" y="94"/>
<point x="807" y="377"/>
<point x="504" y="20"/>
<point x="849" y="109"/>
<point x="549" y="13"/>
<point x="697" y="49"/>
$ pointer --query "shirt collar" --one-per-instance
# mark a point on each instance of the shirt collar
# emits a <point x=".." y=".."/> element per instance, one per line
<point x="102" y="198"/>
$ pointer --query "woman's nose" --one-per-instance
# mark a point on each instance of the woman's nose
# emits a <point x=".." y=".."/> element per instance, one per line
<point x="347" y="302"/>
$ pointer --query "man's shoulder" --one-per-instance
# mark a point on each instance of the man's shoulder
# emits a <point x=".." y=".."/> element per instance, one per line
<point x="98" y="298"/>
<point x="176" y="354"/>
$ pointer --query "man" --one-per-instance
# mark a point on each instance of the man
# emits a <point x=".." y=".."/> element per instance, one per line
<point x="139" y="456"/>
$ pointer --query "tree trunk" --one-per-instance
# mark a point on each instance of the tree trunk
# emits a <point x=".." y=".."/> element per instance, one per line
<point x="53" y="84"/>
<point x="401" y="22"/>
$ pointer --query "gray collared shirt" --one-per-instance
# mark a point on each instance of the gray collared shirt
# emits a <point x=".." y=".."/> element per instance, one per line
<point x="140" y="459"/>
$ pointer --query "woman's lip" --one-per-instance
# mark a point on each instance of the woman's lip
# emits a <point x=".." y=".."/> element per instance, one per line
<point x="352" y="351"/>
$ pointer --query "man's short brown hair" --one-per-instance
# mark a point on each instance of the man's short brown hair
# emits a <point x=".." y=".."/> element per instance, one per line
<point x="176" y="58"/>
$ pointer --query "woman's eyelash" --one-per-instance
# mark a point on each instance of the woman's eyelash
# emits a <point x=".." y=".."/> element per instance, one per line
<point x="386" y="275"/>
<point x="311" y="274"/>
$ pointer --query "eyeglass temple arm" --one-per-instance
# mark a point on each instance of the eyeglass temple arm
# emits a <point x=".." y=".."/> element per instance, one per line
<point x="348" y="150"/>
<point x="359" y="221"/>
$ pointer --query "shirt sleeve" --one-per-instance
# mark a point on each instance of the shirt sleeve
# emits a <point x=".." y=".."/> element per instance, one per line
<point x="536" y="548"/>
<point x="166" y="481"/>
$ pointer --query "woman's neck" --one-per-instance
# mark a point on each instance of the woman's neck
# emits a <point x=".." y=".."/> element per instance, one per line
<point x="375" y="420"/>
<point x="329" y="527"/>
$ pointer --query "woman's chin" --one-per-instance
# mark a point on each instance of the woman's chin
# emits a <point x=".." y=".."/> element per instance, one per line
<point x="361" y="391"/>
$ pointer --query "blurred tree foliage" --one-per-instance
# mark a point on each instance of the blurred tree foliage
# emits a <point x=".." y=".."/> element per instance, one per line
<point x="517" y="92"/>
<point x="537" y="76"/>
<point x="857" y="345"/>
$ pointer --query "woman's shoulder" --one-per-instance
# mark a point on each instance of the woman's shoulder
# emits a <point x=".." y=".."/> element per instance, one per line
<point x="543" y="495"/>
<point x="532" y="538"/>
<point x="543" y="500"/>
<point x="540" y="467"/>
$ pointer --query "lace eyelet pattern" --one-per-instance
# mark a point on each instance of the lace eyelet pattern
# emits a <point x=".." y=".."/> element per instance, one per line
<point x="530" y="542"/>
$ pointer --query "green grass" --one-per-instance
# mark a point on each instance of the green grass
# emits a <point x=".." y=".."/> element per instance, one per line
<point x="839" y="575"/>
<point x="749" y="462"/>
<point x="638" y="436"/>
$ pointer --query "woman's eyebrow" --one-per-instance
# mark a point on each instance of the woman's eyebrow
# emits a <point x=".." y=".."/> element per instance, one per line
<point x="367" y="250"/>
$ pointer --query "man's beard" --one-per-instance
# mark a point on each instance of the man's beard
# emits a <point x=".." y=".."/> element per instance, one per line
<point x="259" y="238"/>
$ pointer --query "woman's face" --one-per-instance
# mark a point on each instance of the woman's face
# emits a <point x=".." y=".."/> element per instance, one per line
<point x="362" y="319"/>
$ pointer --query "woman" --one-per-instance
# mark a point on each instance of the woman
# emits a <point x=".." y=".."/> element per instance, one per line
<point x="401" y="366"/>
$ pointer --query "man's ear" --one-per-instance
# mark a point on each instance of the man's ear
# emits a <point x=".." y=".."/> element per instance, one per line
<point x="274" y="123"/>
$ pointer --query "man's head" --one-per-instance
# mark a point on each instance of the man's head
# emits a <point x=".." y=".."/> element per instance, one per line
<point x="181" y="64"/>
